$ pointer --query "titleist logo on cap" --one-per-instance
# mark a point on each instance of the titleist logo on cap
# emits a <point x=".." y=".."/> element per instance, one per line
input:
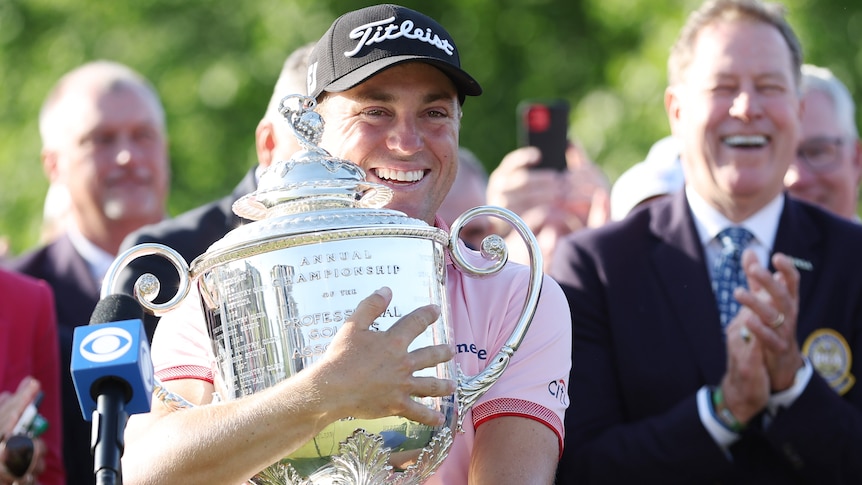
<point x="368" y="35"/>
<point x="361" y="43"/>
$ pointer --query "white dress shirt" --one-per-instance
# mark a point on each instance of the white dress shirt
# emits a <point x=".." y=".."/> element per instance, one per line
<point x="98" y="260"/>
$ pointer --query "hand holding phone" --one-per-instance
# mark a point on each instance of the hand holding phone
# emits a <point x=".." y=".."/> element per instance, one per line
<point x="31" y="423"/>
<point x="21" y="450"/>
<point x="545" y="125"/>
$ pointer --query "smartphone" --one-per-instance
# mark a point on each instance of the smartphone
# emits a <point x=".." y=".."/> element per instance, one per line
<point x="31" y="422"/>
<point x="544" y="124"/>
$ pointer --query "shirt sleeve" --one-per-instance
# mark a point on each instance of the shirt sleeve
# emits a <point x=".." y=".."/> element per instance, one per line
<point x="722" y="436"/>
<point x="534" y="385"/>
<point x="181" y="347"/>
<point x="786" y="398"/>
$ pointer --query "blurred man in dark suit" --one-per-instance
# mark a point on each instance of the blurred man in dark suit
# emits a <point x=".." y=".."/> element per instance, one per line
<point x="103" y="138"/>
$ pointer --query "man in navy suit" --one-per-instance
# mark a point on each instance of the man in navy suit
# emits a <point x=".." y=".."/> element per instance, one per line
<point x="192" y="233"/>
<point x="103" y="138"/>
<point x="661" y="391"/>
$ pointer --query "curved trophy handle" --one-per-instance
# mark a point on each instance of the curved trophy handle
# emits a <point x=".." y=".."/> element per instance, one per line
<point x="147" y="285"/>
<point x="493" y="248"/>
<point x="470" y="389"/>
<point x="146" y="289"/>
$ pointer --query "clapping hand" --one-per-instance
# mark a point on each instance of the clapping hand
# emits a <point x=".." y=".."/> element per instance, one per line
<point x="773" y="299"/>
<point x="763" y="354"/>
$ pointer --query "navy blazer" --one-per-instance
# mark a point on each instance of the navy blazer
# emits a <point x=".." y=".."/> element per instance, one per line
<point x="646" y="337"/>
<point x="190" y="234"/>
<point x="76" y="293"/>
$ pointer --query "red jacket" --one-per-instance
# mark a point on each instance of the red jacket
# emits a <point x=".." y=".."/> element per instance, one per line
<point x="29" y="347"/>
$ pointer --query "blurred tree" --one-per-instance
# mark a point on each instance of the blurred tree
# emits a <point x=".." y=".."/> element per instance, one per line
<point x="215" y="62"/>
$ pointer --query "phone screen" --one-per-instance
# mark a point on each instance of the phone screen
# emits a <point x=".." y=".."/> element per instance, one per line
<point x="545" y="125"/>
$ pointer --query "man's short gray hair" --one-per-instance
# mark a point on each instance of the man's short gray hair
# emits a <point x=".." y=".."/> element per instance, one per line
<point x="713" y="11"/>
<point x="103" y="75"/>
<point x="821" y="79"/>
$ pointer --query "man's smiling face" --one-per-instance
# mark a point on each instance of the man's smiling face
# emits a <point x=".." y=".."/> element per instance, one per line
<point x="737" y="113"/>
<point x="401" y="126"/>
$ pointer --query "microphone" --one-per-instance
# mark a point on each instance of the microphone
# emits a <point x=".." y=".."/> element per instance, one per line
<point x="113" y="375"/>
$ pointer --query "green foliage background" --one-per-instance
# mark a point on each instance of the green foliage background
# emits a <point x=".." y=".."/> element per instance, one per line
<point x="215" y="63"/>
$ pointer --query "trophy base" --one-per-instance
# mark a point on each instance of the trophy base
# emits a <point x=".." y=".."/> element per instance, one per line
<point x="363" y="459"/>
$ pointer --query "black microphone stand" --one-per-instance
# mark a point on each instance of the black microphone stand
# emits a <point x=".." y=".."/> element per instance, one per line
<point x="109" y="422"/>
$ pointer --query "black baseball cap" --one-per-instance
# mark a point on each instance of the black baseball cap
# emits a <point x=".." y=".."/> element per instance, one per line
<point x="361" y="43"/>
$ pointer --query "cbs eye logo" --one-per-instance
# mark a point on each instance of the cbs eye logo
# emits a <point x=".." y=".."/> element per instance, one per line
<point x="106" y="344"/>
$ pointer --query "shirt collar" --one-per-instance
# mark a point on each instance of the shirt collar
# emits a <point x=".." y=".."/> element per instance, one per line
<point x="709" y="221"/>
<point x="98" y="260"/>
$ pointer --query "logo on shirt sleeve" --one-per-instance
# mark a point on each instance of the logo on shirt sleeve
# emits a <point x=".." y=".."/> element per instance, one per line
<point x="830" y="356"/>
<point x="559" y="391"/>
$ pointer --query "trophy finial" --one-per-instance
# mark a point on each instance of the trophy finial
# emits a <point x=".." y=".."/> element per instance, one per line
<point x="307" y="124"/>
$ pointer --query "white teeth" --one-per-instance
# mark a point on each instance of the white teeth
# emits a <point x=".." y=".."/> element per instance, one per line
<point x="746" y="140"/>
<point x="399" y="175"/>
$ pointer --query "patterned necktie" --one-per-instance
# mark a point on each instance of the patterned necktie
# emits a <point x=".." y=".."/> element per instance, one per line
<point x="727" y="272"/>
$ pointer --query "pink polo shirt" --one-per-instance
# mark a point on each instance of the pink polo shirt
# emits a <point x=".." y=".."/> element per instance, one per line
<point x="484" y="313"/>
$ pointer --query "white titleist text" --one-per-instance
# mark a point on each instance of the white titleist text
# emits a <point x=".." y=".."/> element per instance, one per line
<point x="368" y="35"/>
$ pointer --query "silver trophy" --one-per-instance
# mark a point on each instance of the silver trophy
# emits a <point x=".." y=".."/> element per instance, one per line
<point x="275" y="292"/>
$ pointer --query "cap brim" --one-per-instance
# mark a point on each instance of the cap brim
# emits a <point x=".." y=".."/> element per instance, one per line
<point x="465" y="84"/>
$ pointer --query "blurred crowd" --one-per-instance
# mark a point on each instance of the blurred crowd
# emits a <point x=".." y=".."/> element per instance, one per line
<point x="759" y="142"/>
